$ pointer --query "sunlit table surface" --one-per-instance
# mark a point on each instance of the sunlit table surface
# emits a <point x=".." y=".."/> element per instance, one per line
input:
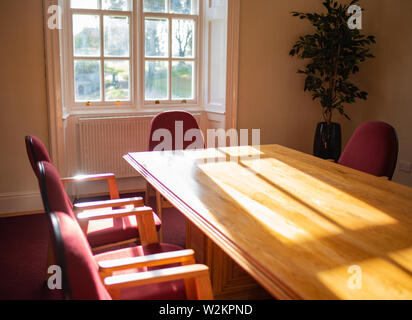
<point x="303" y="227"/>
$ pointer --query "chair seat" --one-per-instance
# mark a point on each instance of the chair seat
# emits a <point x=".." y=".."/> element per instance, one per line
<point x="108" y="231"/>
<point x="173" y="290"/>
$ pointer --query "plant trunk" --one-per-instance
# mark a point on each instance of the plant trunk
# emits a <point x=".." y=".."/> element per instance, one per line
<point x="327" y="115"/>
<point x="332" y="88"/>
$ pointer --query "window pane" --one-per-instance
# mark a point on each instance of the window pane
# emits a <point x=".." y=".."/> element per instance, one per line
<point x="157" y="80"/>
<point x="86" y="34"/>
<point x="87" y="80"/>
<point x="182" y="80"/>
<point x="157" y="37"/>
<point x="182" y="38"/>
<point x="116" y="36"/>
<point x="181" y="6"/>
<point x="116" y="80"/>
<point x="154" y="5"/>
<point x="85" y="4"/>
<point x="120" y="5"/>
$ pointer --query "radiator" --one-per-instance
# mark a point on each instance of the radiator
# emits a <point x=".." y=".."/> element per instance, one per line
<point x="104" y="141"/>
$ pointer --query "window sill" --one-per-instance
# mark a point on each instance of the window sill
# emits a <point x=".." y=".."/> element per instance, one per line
<point x="119" y="111"/>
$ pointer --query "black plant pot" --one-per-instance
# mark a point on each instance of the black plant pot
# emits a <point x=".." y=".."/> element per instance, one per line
<point x="328" y="141"/>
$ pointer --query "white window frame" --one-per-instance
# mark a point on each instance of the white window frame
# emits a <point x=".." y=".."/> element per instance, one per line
<point x="197" y="56"/>
<point x="69" y="58"/>
<point x="137" y="101"/>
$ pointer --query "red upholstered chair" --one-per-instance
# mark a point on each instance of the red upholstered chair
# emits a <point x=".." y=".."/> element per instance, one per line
<point x="150" y="254"/>
<point x="173" y="121"/>
<point x="103" y="225"/>
<point x="373" y="149"/>
<point x="104" y="233"/>
<point x="36" y="151"/>
<point x="149" y="272"/>
<point x="185" y="134"/>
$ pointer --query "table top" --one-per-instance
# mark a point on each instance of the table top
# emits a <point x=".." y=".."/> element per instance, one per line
<point x="303" y="227"/>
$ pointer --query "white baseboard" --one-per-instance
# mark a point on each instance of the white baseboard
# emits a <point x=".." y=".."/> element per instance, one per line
<point x="20" y="202"/>
<point x="31" y="201"/>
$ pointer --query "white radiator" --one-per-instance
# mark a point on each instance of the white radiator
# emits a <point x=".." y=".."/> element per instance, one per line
<point x="104" y="141"/>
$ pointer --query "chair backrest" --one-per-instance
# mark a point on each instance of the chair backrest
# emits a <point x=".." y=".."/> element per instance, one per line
<point x="36" y="151"/>
<point x="176" y="123"/>
<point x="373" y="148"/>
<point x="80" y="276"/>
<point x="53" y="194"/>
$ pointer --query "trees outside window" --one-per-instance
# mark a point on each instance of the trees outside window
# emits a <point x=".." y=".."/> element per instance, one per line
<point x="102" y="58"/>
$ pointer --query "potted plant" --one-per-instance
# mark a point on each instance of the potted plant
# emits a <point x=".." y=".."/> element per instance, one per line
<point x="335" y="52"/>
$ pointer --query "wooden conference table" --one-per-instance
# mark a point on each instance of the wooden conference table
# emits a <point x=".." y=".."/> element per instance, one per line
<point x="302" y="227"/>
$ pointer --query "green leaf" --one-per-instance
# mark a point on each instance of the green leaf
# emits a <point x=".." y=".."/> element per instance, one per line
<point x="334" y="54"/>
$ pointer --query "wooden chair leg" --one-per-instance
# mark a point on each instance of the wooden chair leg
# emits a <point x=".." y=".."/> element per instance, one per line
<point x="147" y="228"/>
<point x="204" y="287"/>
<point x="159" y="213"/>
<point x="190" y="284"/>
<point x="113" y="189"/>
<point x="159" y="206"/>
<point x="84" y="224"/>
<point x="115" y="294"/>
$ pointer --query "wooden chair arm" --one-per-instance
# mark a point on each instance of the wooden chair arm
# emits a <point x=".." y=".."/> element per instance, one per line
<point x="90" y="177"/>
<point x="385" y="178"/>
<point x="185" y="257"/>
<point x="144" y="217"/>
<point x="105" y="214"/>
<point x="110" y="177"/>
<point x="198" y="272"/>
<point x="137" y="202"/>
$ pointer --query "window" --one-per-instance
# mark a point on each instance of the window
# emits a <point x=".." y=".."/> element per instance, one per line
<point x="170" y="51"/>
<point x="103" y="73"/>
<point x="131" y="52"/>
<point x="100" y="52"/>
